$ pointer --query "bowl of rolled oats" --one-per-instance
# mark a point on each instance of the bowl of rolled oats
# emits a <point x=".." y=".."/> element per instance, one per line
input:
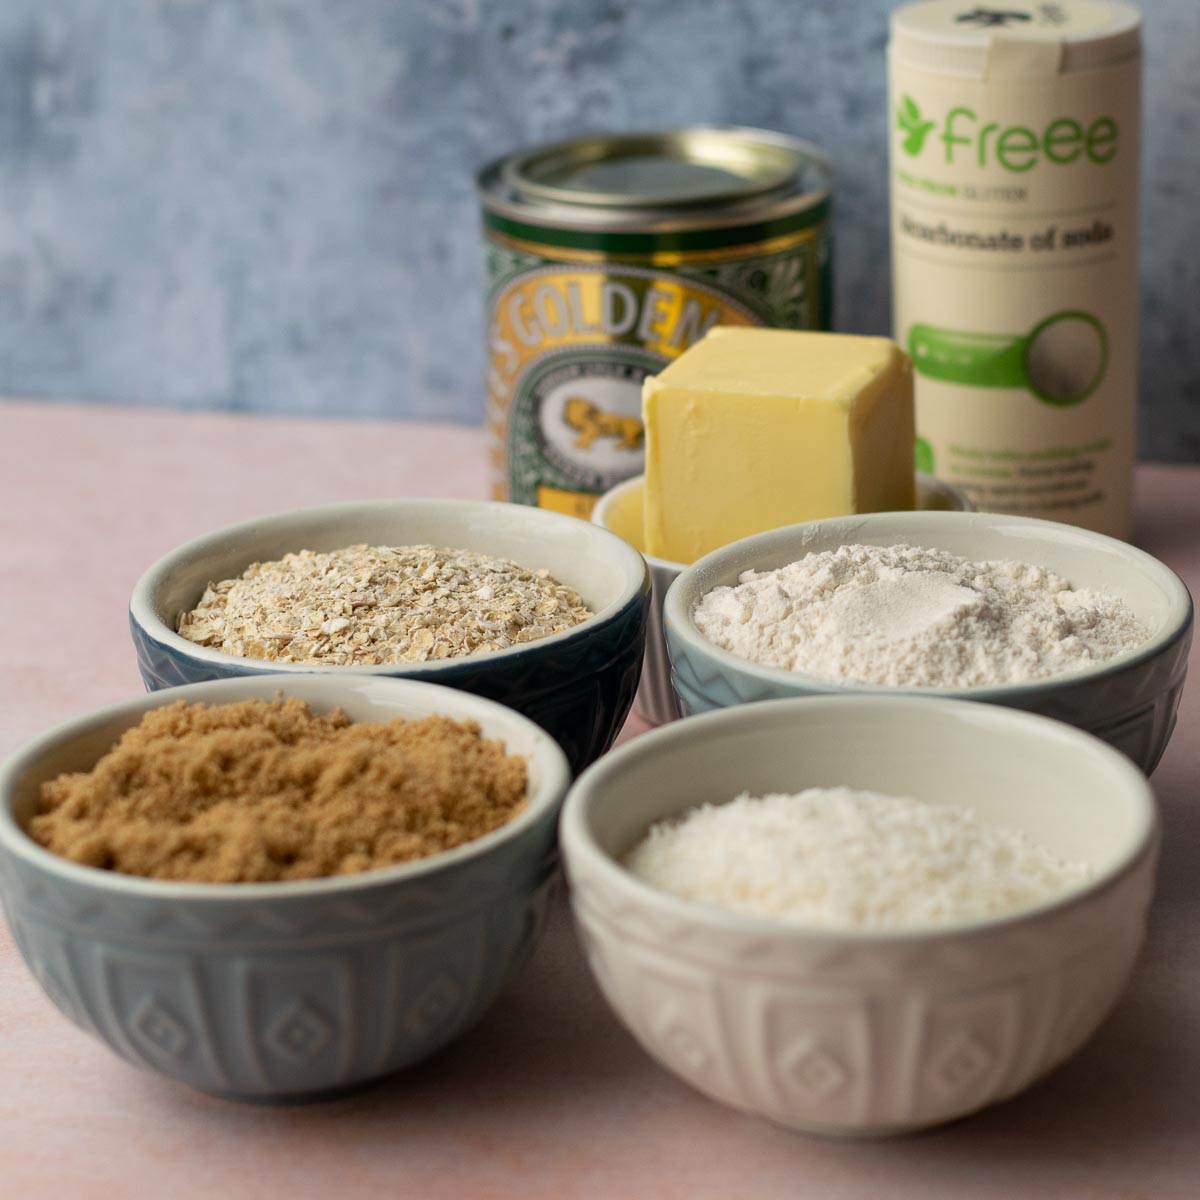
<point x="541" y="612"/>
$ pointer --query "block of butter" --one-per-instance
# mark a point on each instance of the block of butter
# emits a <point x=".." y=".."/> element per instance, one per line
<point x="750" y="429"/>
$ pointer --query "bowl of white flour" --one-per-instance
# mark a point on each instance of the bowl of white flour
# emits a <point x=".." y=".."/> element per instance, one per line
<point x="1008" y="610"/>
<point x="860" y="916"/>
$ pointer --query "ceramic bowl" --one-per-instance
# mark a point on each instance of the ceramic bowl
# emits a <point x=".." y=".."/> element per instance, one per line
<point x="281" y="991"/>
<point x="858" y="1033"/>
<point x="619" y="510"/>
<point x="578" y="685"/>
<point x="1129" y="702"/>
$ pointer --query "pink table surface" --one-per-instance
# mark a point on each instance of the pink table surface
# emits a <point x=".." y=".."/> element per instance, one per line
<point x="548" y="1096"/>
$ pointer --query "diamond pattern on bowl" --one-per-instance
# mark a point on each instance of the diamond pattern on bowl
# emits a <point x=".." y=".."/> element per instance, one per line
<point x="959" y="1063"/>
<point x="870" y="1038"/>
<point x="681" y="1043"/>
<point x="812" y="1069"/>
<point x="259" y="1000"/>
<point x="435" y="1005"/>
<point x="157" y="1028"/>
<point x="298" y="1032"/>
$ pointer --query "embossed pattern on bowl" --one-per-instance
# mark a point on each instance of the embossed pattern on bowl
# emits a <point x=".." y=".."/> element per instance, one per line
<point x="857" y="1033"/>
<point x="282" y="991"/>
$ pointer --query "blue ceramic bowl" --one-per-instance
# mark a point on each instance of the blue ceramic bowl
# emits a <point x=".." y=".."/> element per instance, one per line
<point x="282" y="991"/>
<point x="577" y="685"/>
<point x="1130" y="702"/>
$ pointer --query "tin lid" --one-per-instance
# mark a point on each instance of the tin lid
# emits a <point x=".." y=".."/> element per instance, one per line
<point x="1015" y="40"/>
<point x="670" y="169"/>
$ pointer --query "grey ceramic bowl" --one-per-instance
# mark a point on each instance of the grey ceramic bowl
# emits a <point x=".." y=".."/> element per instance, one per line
<point x="281" y="991"/>
<point x="1129" y="702"/>
<point x="619" y="511"/>
<point x="578" y="685"/>
<point x="855" y="1032"/>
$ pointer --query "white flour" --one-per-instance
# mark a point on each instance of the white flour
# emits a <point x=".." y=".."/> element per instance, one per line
<point x="906" y="616"/>
<point x="836" y="858"/>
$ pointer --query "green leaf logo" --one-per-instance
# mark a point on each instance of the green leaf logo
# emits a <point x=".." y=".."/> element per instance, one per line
<point x="909" y="122"/>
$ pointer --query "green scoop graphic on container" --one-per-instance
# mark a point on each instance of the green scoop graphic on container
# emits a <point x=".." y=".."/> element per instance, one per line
<point x="1061" y="360"/>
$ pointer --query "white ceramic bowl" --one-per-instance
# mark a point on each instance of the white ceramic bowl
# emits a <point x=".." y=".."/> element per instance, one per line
<point x="619" y="511"/>
<point x="293" y="990"/>
<point x="1130" y="701"/>
<point x="858" y="1033"/>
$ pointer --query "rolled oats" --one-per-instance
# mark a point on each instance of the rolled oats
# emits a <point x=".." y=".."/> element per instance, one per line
<point x="371" y="605"/>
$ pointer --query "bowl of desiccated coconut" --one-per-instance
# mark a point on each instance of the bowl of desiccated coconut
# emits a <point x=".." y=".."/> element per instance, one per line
<point x="1025" y="613"/>
<point x="281" y="888"/>
<point x="542" y="612"/>
<point x="861" y="916"/>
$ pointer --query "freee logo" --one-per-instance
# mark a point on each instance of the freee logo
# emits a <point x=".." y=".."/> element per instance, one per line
<point x="909" y="122"/>
<point x="1016" y="148"/>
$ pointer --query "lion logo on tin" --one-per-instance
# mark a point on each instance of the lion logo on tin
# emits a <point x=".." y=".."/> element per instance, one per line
<point x="592" y="422"/>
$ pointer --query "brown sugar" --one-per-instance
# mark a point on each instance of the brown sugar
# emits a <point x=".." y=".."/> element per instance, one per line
<point x="267" y="790"/>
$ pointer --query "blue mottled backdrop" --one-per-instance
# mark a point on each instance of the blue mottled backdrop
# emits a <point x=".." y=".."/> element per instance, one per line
<point x="267" y="204"/>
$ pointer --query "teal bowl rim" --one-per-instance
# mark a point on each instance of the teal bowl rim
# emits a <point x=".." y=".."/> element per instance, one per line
<point x="678" y="623"/>
<point x="149" y="621"/>
<point x="544" y="803"/>
<point x="576" y="837"/>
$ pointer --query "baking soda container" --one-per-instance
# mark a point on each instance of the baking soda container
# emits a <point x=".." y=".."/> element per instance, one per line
<point x="607" y="257"/>
<point x="1014" y="182"/>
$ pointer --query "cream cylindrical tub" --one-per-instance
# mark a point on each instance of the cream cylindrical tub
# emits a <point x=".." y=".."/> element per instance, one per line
<point x="1014" y="183"/>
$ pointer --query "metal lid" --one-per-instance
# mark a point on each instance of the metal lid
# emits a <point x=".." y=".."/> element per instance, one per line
<point x="1015" y="40"/>
<point x="670" y="169"/>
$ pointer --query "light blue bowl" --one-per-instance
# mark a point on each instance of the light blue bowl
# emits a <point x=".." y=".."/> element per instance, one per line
<point x="1130" y="702"/>
<point x="281" y="991"/>
<point x="577" y="685"/>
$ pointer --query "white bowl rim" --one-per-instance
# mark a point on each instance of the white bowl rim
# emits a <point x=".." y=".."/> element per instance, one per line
<point x="1179" y="618"/>
<point x="577" y="839"/>
<point x="600" y="517"/>
<point x="608" y="499"/>
<point x="146" y="616"/>
<point x="551" y="760"/>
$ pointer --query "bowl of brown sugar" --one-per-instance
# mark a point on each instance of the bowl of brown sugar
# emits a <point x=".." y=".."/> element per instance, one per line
<point x="542" y="612"/>
<point x="280" y="889"/>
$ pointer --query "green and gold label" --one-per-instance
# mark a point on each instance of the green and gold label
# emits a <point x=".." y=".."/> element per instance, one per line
<point x="569" y="343"/>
